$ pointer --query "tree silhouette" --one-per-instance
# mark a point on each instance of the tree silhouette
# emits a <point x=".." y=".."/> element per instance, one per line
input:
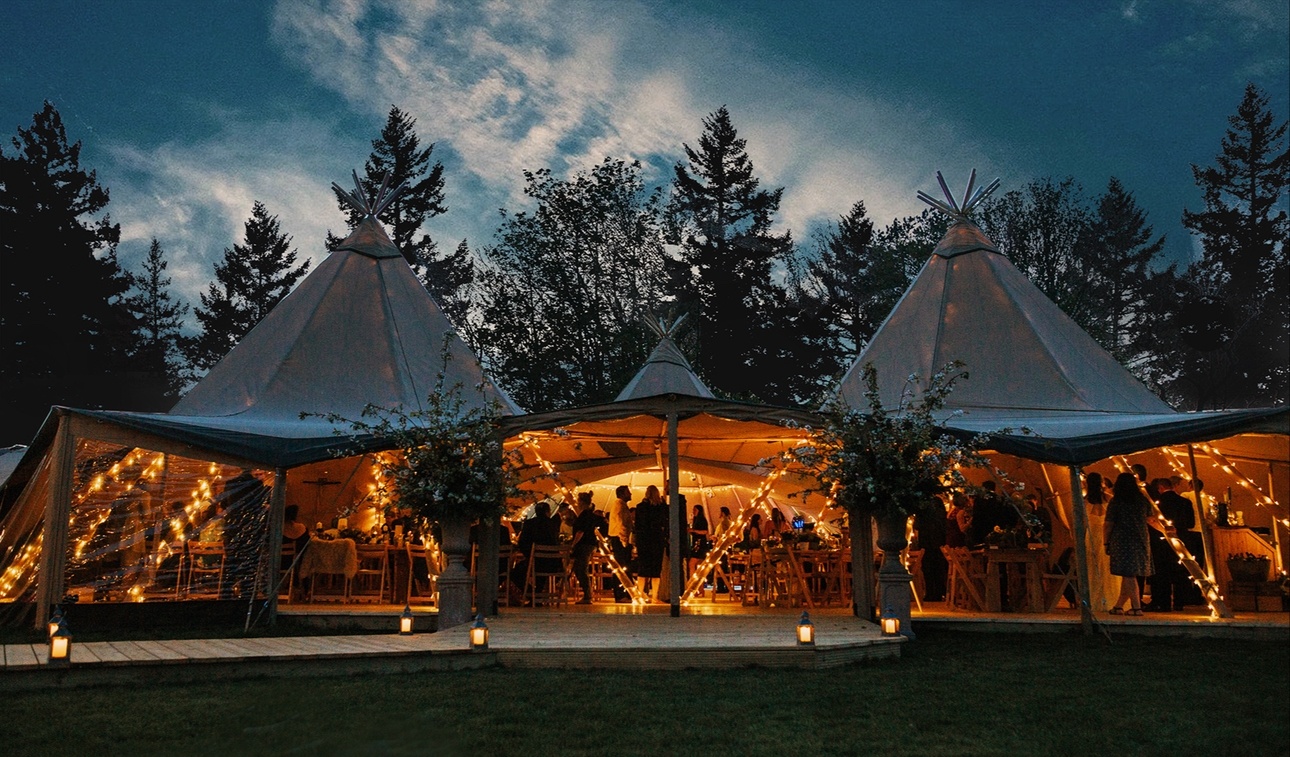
<point x="1233" y="302"/>
<point x="157" y="356"/>
<point x="249" y="282"/>
<point x="65" y="326"/>
<point x="398" y="153"/>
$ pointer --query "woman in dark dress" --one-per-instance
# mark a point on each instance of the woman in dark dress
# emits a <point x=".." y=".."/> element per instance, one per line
<point x="1128" y="515"/>
<point x="650" y="533"/>
<point x="699" y="542"/>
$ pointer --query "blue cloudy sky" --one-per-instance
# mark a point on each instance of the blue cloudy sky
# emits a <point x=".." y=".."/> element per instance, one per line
<point x="189" y="111"/>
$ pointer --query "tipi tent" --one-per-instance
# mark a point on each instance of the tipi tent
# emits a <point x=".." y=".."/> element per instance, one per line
<point x="1030" y="367"/>
<point x="120" y="488"/>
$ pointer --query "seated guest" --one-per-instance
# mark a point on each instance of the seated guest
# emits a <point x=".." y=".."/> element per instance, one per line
<point x="292" y="529"/>
<point x="1044" y="533"/>
<point x="541" y="529"/>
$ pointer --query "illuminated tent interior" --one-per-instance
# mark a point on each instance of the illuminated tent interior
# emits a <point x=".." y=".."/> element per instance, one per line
<point x="1047" y="394"/>
<point x="121" y="488"/>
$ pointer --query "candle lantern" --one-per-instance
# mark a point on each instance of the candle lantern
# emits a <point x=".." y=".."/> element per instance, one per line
<point x="805" y="631"/>
<point x="55" y="619"/>
<point x="479" y="633"/>
<point x="405" y="621"/>
<point x="60" y="646"/>
<point x="890" y="623"/>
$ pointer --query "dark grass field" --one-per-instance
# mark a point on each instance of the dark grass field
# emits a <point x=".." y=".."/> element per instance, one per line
<point x="951" y="693"/>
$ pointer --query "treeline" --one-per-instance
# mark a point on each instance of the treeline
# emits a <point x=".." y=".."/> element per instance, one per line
<point x="555" y="302"/>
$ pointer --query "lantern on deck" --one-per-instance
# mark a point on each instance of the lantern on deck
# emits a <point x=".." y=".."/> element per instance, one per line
<point x="479" y="633"/>
<point x="60" y="646"/>
<point x="805" y="631"/>
<point x="55" y="619"/>
<point x="890" y="623"/>
<point x="405" y="621"/>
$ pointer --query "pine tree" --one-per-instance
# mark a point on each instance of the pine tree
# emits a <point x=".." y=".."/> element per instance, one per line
<point x="568" y="286"/>
<point x="249" y="282"/>
<point x="63" y="322"/>
<point x="1117" y="249"/>
<point x="722" y="220"/>
<point x="1232" y="316"/>
<point x="858" y="274"/>
<point x="1039" y="228"/>
<point x="398" y="153"/>
<point x="157" y="356"/>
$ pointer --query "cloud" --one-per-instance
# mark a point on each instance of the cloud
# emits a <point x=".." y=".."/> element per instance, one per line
<point x="508" y="87"/>
<point x="196" y="197"/>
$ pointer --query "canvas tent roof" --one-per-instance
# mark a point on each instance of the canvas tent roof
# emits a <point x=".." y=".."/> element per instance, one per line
<point x="722" y="441"/>
<point x="1029" y="365"/>
<point x="358" y="329"/>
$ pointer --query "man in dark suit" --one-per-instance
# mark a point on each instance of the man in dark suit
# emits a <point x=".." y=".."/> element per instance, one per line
<point x="1169" y="584"/>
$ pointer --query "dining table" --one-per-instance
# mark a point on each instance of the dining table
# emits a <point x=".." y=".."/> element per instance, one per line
<point x="1024" y="567"/>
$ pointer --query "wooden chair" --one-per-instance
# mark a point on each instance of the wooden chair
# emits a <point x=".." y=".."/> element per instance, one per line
<point x="368" y="585"/>
<point x="965" y="580"/>
<point x="286" y="571"/>
<point x="418" y="555"/>
<point x="548" y="576"/>
<point x="205" y="559"/>
<point x="1058" y="579"/>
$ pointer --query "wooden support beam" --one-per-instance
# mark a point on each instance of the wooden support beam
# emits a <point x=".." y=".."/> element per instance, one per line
<point x="53" y="552"/>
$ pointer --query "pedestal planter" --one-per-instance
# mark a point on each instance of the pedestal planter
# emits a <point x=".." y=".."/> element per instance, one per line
<point x="455" y="582"/>
<point x="894" y="593"/>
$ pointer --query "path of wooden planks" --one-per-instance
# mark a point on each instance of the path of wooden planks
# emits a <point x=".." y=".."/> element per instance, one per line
<point x="530" y="640"/>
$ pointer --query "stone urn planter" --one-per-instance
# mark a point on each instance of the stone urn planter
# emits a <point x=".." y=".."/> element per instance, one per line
<point x="894" y="592"/>
<point x="455" y="581"/>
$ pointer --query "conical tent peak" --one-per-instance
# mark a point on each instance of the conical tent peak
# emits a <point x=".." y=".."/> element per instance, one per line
<point x="957" y="210"/>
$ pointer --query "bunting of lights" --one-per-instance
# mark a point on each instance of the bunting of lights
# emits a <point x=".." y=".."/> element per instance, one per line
<point x="732" y="536"/>
<point x="638" y="597"/>
<point x="1208" y="587"/>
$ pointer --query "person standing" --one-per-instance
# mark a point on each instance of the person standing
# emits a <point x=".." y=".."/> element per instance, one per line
<point x="931" y="525"/>
<point x="585" y="525"/>
<point x="620" y="537"/>
<point x="958" y="522"/>
<point x="1170" y="582"/>
<point x="650" y="532"/>
<point x="1128" y="518"/>
<point x="699" y="541"/>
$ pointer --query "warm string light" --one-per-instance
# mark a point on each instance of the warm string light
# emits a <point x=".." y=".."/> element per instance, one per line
<point x="1261" y="498"/>
<point x="637" y="596"/>
<point x="732" y="536"/>
<point x="1208" y="587"/>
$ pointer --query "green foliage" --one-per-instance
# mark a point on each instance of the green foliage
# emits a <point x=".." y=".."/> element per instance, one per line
<point x="448" y="458"/>
<point x="883" y="462"/>
<point x="398" y="153"/>
<point x="157" y="354"/>
<point x="568" y="287"/>
<point x="249" y="282"/>
<point x="724" y="278"/>
<point x="66" y="330"/>
<point x="1232" y="316"/>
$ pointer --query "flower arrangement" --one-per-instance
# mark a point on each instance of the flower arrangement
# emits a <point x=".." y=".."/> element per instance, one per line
<point x="891" y="462"/>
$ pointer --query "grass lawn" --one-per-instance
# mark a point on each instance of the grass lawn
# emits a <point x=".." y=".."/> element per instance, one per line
<point x="952" y="693"/>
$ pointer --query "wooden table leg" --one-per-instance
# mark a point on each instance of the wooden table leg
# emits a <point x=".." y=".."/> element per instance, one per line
<point x="993" y="602"/>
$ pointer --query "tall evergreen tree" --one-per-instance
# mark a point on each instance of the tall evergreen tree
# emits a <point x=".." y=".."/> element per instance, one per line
<point x="722" y="220"/>
<point x="398" y="153"/>
<point x="1233" y="312"/>
<point x="249" y="282"/>
<point x="157" y="356"/>
<point x="567" y="287"/>
<point x="1039" y="228"/>
<point x="859" y="273"/>
<point x="63" y="320"/>
<point x="1117" y="250"/>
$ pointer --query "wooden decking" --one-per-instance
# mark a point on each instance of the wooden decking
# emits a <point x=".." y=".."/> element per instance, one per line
<point x="530" y="640"/>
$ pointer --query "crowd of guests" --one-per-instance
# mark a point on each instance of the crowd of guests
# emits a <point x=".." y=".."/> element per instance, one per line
<point x="637" y="535"/>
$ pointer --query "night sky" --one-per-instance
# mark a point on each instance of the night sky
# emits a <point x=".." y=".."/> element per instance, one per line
<point x="191" y="111"/>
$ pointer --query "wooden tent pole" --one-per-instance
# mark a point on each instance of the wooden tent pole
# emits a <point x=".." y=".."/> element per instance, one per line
<point x="277" y="513"/>
<point x="1276" y="522"/>
<point x="1206" y="538"/>
<point x="1081" y="551"/>
<point x="53" y="552"/>
<point x="677" y="532"/>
